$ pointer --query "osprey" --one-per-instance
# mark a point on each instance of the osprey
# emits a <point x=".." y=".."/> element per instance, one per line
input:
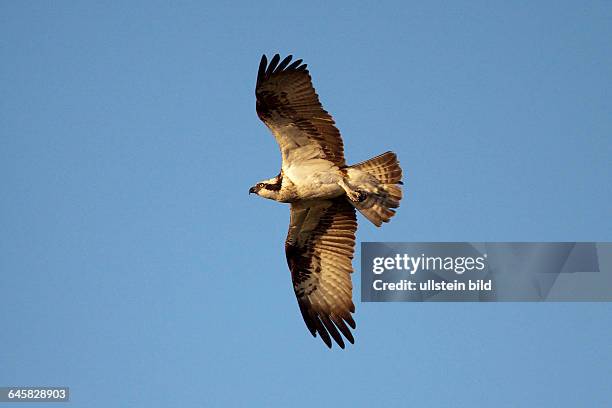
<point x="323" y="193"/>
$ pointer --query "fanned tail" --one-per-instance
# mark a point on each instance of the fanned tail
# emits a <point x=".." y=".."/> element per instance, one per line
<point x="379" y="179"/>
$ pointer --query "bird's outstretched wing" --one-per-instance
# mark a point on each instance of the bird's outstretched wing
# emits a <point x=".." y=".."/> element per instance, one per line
<point x="319" y="248"/>
<point x="288" y="104"/>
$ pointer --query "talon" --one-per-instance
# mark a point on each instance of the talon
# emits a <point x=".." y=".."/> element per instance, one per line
<point x="357" y="196"/>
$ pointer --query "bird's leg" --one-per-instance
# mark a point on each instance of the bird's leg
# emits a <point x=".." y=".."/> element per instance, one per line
<point x="354" y="195"/>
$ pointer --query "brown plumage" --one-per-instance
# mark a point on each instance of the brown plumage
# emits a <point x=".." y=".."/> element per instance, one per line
<point x="379" y="208"/>
<point x="287" y="99"/>
<point x="323" y="192"/>
<point x="319" y="249"/>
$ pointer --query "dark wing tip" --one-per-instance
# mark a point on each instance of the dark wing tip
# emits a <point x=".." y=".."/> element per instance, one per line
<point x="350" y="321"/>
<point x="333" y="331"/>
<point x="277" y="66"/>
<point x="339" y="322"/>
<point x="284" y="63"/>
<point x="323" y="333"/>
<point x="261" y="72"/>
<point x="295" y="64"/>
<point x="305" y="315"/>
<point x="330" y="327"/>
<point x="273" y="62"/>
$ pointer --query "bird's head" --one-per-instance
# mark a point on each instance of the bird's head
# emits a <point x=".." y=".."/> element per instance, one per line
<point x="267" y="188"/>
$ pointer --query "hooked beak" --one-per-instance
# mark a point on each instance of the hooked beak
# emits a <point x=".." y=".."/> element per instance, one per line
<point x="252" y="190"/>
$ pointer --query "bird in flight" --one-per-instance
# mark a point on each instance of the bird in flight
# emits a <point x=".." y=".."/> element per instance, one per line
<point x="323" y="192"/>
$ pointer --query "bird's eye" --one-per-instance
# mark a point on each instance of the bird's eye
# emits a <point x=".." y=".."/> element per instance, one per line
<point x="260" y="185"/>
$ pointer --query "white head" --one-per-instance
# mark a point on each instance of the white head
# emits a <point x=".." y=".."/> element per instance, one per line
<point x="269" y="188"/>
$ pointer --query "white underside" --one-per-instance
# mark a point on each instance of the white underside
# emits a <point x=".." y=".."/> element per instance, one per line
<point x="316" y="178"/>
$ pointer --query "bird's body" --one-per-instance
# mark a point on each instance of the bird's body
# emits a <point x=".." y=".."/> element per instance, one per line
<point x="323" y="192"/>
<point x="313" y="179"/>
<point x="317" y="178"/>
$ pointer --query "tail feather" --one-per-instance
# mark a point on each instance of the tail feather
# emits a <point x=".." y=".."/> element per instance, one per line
<point x="383" y="193"/>
<point x="384" y="167"/>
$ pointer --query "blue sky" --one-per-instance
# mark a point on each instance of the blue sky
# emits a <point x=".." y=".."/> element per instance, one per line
<point x="136" y="269"/>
